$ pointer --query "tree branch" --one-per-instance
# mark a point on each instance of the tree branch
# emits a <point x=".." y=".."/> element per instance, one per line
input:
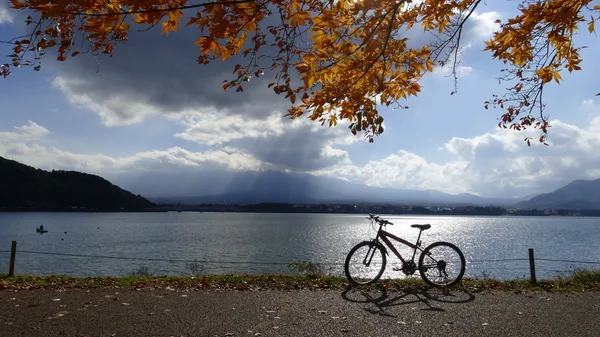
<point x="158" y="10"/>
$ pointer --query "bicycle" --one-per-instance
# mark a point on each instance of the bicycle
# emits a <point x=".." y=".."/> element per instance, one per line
<point x="442" y="266"/>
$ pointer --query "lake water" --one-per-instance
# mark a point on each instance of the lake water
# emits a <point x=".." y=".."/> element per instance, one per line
<point x="166" y="243"/>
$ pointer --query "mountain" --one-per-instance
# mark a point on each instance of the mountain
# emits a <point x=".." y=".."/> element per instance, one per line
<point x="274" y="186"/>
<point x="578" y="195"/>
<point x="24" y="187"/>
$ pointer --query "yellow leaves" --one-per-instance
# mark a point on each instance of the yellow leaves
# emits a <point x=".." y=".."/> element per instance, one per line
<point x="299" y="18"/>
<point x="17" y="4"/>
<point x="429" y="65"/>
<point x="355" y="57"/>
<point x="332" y="120"/>
<point x="172" y="23"/>
<point x="319" y="37"/>
<point x="297" y="15"/>
<point x="208" y="45"/>
<point x="302" y="67"/>
<point x="547" y="74"/>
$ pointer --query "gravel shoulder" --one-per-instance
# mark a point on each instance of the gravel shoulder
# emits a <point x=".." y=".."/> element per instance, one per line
<point x="164" y="312"/>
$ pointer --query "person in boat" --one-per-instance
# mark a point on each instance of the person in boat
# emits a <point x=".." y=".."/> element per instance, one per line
<point x="41" y="227"/>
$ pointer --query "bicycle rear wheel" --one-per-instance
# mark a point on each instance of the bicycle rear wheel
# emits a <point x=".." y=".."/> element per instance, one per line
<point x="365" y="263"/>
<point x="442" y="264"/>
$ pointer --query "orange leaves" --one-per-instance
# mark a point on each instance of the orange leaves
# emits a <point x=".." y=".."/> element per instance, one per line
<point x="170" y="25"/>
<point x="536" y="45"/>
<point x="172" y="21"/>
<point x="18" y="4"/>
<point x="548" y="74"/>
<point x="208" y="45"/>
<point x="349" y="56"/>
<point x="299" y="18"/>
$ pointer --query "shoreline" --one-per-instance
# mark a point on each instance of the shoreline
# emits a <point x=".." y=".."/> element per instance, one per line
<point x="593" y="215"/>
<point x="589" y="281"/>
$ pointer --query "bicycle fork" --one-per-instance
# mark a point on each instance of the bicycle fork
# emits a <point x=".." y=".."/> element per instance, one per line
<point x="370" y="253"/>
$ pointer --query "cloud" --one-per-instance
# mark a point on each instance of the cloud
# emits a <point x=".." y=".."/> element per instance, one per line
<point x="170" y="159"/>
<point x="497" y="163"/>
<point x="483" y="26"/>
<point x="117" y="108"/>
<point x="28" y="144"/>
<point x="298" y="144"/>
<point x="446" y="70"/>
<point x="29" y="131"/>
<point x="478" y="28"/>
<point x="404" y="170"/>
<point x="5" y="15"/>
<point x="154" y="75"/>
<point x="213" y="127"/>
<point x="589" y="103"/>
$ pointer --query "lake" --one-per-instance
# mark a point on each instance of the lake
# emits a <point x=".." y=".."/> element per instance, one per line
<point x="117" y="244"/>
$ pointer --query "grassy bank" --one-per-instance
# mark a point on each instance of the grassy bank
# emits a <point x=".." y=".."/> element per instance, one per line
<point x="579" y="280"/>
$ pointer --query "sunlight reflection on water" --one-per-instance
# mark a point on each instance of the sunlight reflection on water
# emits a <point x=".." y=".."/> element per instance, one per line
<point x="265" y="243"/>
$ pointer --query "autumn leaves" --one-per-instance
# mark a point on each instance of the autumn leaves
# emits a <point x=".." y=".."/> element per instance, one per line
<point x="350" y="56"/>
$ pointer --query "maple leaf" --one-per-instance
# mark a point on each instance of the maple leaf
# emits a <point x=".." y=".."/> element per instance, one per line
<point x="208" y="45"/>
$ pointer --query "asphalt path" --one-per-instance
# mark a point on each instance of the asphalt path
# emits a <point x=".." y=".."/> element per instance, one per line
<point x="164" y="312"/>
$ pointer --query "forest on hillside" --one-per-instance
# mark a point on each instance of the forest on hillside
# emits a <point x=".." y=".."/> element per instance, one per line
<point x="24" y="188"/>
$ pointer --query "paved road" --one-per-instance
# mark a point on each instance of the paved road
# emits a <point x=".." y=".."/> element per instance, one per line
<point x="124" y="312"/>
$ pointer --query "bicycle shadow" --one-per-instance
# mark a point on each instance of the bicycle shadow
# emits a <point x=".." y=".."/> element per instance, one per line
<point x="381" y="299"/>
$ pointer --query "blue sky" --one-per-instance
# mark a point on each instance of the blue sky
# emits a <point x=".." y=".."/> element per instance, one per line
<point x="152" y="108"/>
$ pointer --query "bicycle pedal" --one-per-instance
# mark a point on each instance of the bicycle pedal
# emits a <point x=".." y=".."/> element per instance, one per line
<point x="397" y="269"/>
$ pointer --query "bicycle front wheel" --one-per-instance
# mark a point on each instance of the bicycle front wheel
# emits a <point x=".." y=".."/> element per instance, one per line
<point x="442" y="264"/>
<point x="365" y="263"/>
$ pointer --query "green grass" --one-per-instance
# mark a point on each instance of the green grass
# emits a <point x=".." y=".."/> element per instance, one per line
<point x="582" y="276"/>
<point x="578" y="280"/>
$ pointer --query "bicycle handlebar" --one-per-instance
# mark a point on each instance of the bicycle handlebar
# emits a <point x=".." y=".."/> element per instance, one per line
<point x="379" y="220"/>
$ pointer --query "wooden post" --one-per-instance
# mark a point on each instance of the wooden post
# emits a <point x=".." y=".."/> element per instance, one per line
<point x="532" y="266"/>
<point x="13" y="255"/>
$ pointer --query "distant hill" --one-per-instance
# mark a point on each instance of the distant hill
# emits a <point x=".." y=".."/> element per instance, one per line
<point x="578" y="195"/>
<point x="27" y="188"/>
<point x="273" y="186"/>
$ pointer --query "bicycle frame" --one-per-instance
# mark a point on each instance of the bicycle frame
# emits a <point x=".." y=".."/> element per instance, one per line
<point x="386" y="236"/>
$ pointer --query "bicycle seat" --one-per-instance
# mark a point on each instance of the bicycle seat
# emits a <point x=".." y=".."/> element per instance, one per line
<point x="421" y="227"/>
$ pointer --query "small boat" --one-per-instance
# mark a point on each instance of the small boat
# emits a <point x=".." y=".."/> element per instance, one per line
<point x="41" y="230"/>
